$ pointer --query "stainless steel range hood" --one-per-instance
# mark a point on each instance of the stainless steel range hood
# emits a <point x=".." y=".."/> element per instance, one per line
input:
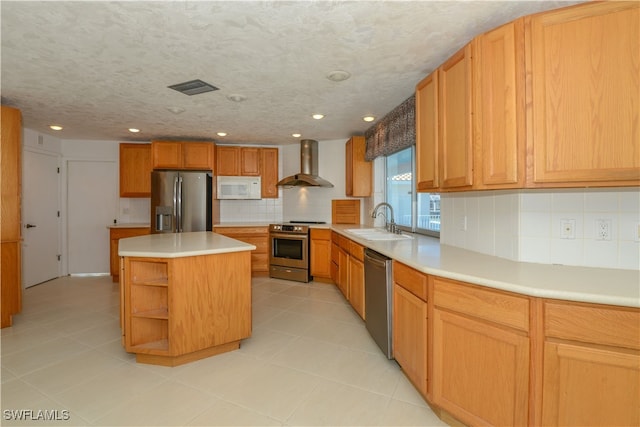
<point x="308" y="176"/>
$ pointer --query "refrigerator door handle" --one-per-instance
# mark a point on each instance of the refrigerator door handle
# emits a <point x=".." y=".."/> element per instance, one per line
<point x="179" y="222"/>
<point x="175" y="202"/>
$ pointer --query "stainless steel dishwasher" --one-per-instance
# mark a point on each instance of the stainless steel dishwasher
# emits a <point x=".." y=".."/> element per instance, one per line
<point x="378" y="299"/>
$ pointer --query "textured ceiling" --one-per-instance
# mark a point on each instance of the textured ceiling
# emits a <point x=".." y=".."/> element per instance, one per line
<point x="98" y="68"/>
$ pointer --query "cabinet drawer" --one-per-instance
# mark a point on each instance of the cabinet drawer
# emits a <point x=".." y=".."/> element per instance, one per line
<point x="356" y="250"/>
<point x="320" y="233"/>
<point x="344" y="242"/>
<point x="410" y="279"/>
<point x="121" y="233"/>
<point x="231" y="231"/>
<point x="491" y="305"/>
<point x="596" y="324"/>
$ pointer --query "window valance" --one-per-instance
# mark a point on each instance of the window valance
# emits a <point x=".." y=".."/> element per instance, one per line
<point x="394" y="132"/>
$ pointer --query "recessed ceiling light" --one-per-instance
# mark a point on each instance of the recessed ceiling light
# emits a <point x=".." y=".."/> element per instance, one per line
<point x="368" y="118"/>
<point x="55" y="127"/>
<point x="134" y="130"/>
<point x="176" y="110"/>
<point x="296" y="135"/>
<point x="236" y="97"/>
<point x="338" y="76"/>
<point x="221" y="134"/>
<point x="318" y="116"/>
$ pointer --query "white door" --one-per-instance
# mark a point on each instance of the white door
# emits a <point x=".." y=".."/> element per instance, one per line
<point x="92" y="204"/>
<point x="40" y="218"/>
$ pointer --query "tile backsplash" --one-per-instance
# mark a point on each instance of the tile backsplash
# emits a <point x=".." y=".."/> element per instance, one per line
<point x="263" y="210"/>
<point x="547" y="226"/>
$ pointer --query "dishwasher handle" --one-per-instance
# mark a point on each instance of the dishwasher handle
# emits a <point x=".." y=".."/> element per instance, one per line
<point x="375" y="258"/>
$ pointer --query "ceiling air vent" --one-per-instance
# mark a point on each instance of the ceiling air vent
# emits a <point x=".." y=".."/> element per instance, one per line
<point x="193" y="87"/>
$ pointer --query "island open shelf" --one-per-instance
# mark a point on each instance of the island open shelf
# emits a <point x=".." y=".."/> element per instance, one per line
<point x="187" y="305"/>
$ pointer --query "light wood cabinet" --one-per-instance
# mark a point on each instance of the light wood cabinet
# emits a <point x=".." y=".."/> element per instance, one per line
<point x="250" y="161"/>
<point x="182" y="155"/>
<point x="335" y="257"/>
<point x="358" y="170"/>
<point x="320" y="253"/>
<point x="10" y="232"/>
<point x="480" y="354"/>
<point x="410" y="336"/>
<point x="499" y="108"/>
<point x="584" y="95"/>
<point x="591" y="365"/>
<point x="177" y="310"/>
<point x="115" y="234"/>
<point x="135" y="170"/>
<point x="356" y="278"/>
<point x="427" y="133"/>
<point x="237" y="161"/>
<point x="257" y="236"/>
<point x="269" y="172"/>
<point x="454" y="121"/>
<point x="343" y="266"/>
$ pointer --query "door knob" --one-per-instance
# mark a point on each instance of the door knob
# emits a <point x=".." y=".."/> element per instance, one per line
<point x="29" y="226"/>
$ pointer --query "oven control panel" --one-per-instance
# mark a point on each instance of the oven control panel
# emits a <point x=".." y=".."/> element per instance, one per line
<point x="290" y="228"/>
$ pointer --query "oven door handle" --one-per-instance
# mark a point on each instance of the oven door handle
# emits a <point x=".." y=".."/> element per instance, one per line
<point x="289" y="236"/>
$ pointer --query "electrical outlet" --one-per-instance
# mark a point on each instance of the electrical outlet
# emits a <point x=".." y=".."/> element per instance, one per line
<point x="567" y="228"/>
<point x="638" y="232"/>
<point x="603" y="229"/>
<point x="463" y="223"/>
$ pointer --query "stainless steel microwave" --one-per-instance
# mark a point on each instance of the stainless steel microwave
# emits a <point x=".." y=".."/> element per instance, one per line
<point x="239" y="187"/>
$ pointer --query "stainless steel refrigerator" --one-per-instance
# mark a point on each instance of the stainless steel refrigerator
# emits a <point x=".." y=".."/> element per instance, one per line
<point x="180" y="201"/>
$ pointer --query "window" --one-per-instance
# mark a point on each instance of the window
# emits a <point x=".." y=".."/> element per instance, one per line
<point x="417" y="212"/>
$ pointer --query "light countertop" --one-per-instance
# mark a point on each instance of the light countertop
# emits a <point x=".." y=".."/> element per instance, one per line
<point x="177" y="245"/>
<point x="584" y="284"/>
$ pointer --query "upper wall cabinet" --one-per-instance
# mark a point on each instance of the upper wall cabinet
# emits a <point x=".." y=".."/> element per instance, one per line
<point x="427" y="133"/>
<point x="584" y="95"/>
<point x="250" y="161"/>
<point x="358" y="170"/>
<point x="182" y="155"/>
<point x="548" y="100"/>
<point x="454" y="121"/>
<point x="135" y="170"/>
<point x="499" y="108"/>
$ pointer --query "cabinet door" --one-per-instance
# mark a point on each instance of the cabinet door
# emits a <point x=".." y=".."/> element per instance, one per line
<point x="356" y="285"/>
<point x="410" y="336"/>
<point x="197" y="155"/>
<point x="454" y="116"/>
<point x="11" y="173"/>
<point x="358" y="170"/>
<point x="269" y="172"/>
<point x="585" y="95"/>
<point x="589" y="385"/>
<point x="227" y="161"/>
<point x="499" y="109"/>
<point x="249" y="161"/>
<point x="166" y="155"/>
<point x="343" y="272"/>
<point x="321" y="253"/>
<point x="480" y="371"/>
<point x="135" y="170"/>
<point x="427" y="133"/>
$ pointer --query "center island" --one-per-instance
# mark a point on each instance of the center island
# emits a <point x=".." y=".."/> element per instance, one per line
<point x="184" y="296"/>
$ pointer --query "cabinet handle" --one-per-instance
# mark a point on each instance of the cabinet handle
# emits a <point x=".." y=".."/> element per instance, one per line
<point x="29" y="226"/>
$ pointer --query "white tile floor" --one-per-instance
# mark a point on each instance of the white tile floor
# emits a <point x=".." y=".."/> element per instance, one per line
<point x="310" y="361"/>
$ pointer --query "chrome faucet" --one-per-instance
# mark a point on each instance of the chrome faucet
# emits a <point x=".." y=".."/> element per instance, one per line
<point x="391" y="226"/>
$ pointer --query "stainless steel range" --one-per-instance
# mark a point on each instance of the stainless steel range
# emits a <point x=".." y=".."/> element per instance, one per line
<point x="289" y="251"/>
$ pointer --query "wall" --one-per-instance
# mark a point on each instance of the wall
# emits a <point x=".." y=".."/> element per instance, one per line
<point x="526" y="225"/>
<point x="314" y="203"/>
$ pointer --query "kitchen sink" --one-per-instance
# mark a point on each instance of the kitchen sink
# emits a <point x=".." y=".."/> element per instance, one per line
<point x="376" y="234"/>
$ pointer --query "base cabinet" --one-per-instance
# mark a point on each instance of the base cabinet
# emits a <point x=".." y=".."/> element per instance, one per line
<point x="115" y="234"/>
<point x="480" y="354"/>
<point x="177" y="310"/>
<point x="257" y="236"/>
<point x="591" y="365"/>
<point x="356" y="279"/>
<point x="320" y="253"/>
